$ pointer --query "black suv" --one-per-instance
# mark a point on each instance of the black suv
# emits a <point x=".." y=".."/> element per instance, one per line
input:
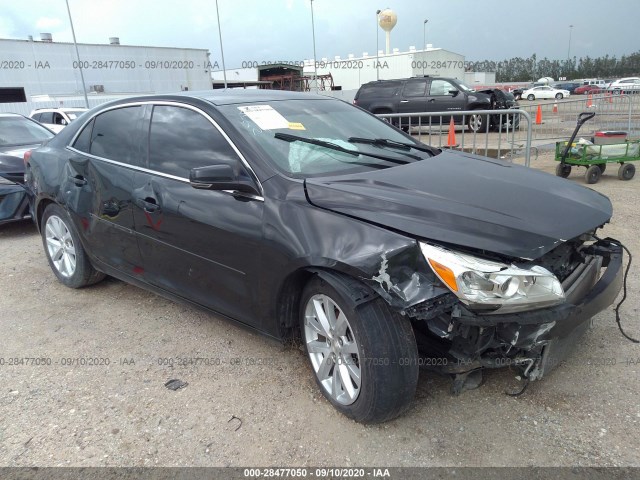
<point x="433" y="94"/>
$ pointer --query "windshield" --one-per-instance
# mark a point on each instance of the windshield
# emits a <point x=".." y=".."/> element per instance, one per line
<point x="330" y="125"/>
<point x="21" y="131"/>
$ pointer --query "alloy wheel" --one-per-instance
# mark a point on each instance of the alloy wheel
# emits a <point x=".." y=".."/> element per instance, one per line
<point x="333" y="349"/>
<point x="60" y="246"/>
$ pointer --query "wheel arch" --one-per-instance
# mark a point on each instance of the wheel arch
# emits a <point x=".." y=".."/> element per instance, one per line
<point x="290" y="294"/>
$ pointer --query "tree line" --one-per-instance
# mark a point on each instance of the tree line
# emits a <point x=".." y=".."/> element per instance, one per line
<point x="529" y="69"/>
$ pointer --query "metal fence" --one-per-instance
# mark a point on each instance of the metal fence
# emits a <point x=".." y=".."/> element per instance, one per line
<point x="493" y="133"/>
<point x="545" y="123"/>
<point x="558" y="117"/>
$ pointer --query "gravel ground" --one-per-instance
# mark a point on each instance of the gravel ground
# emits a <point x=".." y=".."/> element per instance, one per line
<point x="260" y="406"/>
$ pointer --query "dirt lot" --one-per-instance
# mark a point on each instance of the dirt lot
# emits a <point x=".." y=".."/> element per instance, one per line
<point x="585" y="413"/>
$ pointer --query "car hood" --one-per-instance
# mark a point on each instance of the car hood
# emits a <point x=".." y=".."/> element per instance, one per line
<point x="468" y="200"/>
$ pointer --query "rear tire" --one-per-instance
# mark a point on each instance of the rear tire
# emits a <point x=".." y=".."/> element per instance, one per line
<point x="64" y="250"/>
<point x="626" y="171"/>
<point x="593" y="174"/>
<point x="363" y="357"/>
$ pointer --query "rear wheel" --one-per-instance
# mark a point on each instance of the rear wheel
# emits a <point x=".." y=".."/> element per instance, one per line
<point x="563" y="170"/>
<point x="64" y="251"/>
<point x="626" y="171"/>
<point x="363" y="356"/>
<point x="531" y="97"/>
<point x="593" y="174"/>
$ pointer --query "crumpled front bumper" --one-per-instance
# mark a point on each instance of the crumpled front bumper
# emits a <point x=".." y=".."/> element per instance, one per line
<point x="539" y="340"/>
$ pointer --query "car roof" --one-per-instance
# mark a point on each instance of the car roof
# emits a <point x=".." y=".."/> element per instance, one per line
<point x="232" y="96"/>
<point x="11" y="115"/>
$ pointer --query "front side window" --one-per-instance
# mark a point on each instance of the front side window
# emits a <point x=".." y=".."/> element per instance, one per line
<point x="181" y="139"/>
<point x="441" y="87"/>
<point x="118" y="135"/>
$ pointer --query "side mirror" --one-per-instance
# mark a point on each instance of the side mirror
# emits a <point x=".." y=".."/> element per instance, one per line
<point x="453" y="93"/>
<point x="220" y="177"/>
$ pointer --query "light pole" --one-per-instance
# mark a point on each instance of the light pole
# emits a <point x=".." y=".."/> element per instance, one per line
<point x="569" y="50"/>
<point x="315" y="63"/>
<point x="377" y="45"/>
<point x="224" y="70"/>
<point x="73" y="32"/>
<point x="424" y="43"/>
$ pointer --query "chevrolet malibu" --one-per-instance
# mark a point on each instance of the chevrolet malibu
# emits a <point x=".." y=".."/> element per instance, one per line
<point x="303" y="216"/>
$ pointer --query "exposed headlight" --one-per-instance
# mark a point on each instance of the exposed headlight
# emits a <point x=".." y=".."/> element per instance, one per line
<point x="493" y="286"/>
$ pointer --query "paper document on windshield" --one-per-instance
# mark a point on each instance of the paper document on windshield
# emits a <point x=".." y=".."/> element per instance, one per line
<point x="265" y="116"/>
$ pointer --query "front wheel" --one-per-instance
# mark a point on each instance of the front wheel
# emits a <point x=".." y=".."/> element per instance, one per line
<point x="531" y="98"/>
<point x="559" y="96"/>
<point x="65" y="253"/>
<point x="593" y="174"/>
<point x="563" y="170"/>
<point x="477" y="123"/>
<point x="364" y="357"/>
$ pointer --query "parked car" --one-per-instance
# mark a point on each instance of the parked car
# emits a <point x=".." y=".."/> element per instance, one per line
<point x="625" y="85"/>
<point x="427" y="94"/>
<point x="297" y="214"/>
<point x="588" y="89"/>
<point x="18" y="134"/>
<point x="56" y="118"/>
<point x="545" y="92"/>
<point x="569" y="86"/>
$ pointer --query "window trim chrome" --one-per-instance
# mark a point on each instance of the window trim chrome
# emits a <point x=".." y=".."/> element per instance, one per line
<point x="233" y="146"/>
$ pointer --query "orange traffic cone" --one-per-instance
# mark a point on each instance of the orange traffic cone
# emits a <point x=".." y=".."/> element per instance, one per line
<point x="590" y="101"/>
<point x="539" y="116"/>
<point x="451" y="137"/>
<point x="555" y="108"/>
<point x="609" y="97"/>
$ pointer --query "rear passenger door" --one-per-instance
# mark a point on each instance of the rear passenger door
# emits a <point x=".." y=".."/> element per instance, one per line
<point x="98" y="176"/>
<point x="203" y="245"/>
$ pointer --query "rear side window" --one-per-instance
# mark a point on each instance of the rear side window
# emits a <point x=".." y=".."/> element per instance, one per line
<point x="415" y="89"/>
<point x="83" y="142"/>
<point x="382" y="89"/>
<point x="181" y="139"/>
<point x="36" y="116"/>
<point x="117" y="135"/>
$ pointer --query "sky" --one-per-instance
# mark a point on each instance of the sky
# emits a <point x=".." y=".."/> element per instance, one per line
<point x="280" y="30"/>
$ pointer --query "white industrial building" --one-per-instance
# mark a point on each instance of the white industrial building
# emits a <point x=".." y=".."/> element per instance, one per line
<point x="47" y="74"/>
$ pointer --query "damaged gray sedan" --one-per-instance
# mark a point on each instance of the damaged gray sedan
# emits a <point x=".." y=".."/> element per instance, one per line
<point x="301" y="215"/>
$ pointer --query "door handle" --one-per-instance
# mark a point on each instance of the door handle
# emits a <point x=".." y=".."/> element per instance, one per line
<point x="432" y="100"/>
<point x="78" y="180"/>
<point x="149" y="204"/>
<point x="404" y="101"/>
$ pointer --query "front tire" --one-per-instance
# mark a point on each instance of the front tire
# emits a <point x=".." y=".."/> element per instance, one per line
<point x="563" y="170"/>
<point x="477" y="123"/>
<point x="593" y="174"/>
<point x="364" y="357"/>
<point x="531" y="97"/>
<point x="64" y="251"/>
<point x="626" y="171"/>
<point x="559" y="96"/>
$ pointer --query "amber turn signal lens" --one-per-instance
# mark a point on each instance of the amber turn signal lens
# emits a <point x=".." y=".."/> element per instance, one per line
<point x="445" y="274"/>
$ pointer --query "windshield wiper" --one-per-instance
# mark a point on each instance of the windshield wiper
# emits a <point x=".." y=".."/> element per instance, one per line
<point x="287" y="137"/>
<point x="392" y="143"/>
